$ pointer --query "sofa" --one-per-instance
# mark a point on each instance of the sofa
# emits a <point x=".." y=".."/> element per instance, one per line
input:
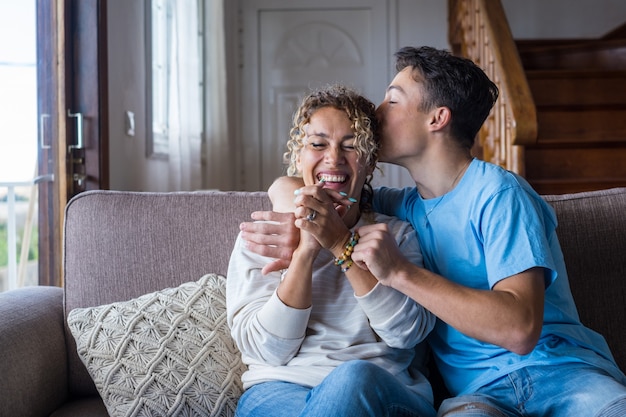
<point x="136" y="254"/>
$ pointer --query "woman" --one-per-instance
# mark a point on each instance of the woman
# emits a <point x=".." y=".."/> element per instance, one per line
<point x="324" y="338"/>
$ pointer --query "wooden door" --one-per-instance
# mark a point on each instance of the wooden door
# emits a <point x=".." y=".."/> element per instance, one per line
<point x="291" y="46"/>
<point x="71" y="78"/>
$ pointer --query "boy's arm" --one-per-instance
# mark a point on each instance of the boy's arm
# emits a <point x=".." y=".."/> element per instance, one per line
<point x="279" y="238"/>
<point x="281" y="193"/>
<point x="510" y="315"/>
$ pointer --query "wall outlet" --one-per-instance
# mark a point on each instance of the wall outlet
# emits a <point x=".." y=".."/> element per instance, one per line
<point x="130" y="123"/>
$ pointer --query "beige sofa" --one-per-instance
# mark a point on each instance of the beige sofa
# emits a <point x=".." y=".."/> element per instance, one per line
<point x="122" y="245"/>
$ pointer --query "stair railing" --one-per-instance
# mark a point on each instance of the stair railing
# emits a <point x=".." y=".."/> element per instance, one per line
<point x="479" y="30"/>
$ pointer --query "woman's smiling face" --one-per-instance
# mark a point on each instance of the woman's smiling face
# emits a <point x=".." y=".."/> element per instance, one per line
<point x="329" y="154"/>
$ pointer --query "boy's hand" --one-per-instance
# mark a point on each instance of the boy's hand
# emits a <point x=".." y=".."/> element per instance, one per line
<point x="378" y="252"/>
<point x="277" y="239"/>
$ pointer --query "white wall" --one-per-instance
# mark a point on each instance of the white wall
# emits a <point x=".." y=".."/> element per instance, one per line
<point x="421" y="22"/>
<point x="130" y="169"/>
<point x="563" y="18"/>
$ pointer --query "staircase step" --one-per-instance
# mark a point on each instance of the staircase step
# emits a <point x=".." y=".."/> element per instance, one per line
<point x="577" y="125"/>
<point x="575" y="185"/>
<point x="553" y="170"/>
<point x="581" y="88"/>
<point x="529" y="45"/>
<point x="617" y="33"/>
<point x="593" y="54"/>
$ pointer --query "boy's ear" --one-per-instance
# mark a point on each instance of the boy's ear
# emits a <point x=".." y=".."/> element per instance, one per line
<point x="440" y="118"/>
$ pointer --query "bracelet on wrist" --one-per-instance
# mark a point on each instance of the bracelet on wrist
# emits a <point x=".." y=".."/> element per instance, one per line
<point x="345" y="260"/>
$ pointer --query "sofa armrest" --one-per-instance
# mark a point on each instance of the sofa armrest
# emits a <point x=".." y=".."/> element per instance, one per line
<point x="33" y="357"/>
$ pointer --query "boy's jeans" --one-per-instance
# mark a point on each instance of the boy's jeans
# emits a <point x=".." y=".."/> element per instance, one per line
<point x="546" y="391"/>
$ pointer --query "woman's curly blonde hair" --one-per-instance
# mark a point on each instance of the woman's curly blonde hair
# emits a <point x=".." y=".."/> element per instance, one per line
<point x="362" y="115"/>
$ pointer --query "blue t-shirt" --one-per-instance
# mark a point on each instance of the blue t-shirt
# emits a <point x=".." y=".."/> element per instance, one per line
<point x="491" y="226"/>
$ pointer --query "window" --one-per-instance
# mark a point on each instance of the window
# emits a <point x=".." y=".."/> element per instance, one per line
<point x="172" y="48"/>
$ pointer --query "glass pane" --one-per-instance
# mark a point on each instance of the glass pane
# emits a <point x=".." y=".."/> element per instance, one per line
<point x="160" y="24"/>
<point x="167" y="76"/>
<point x="18" y="144"/>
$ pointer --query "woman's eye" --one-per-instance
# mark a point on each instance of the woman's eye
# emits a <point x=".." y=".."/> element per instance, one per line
<point x="317" y="145"/>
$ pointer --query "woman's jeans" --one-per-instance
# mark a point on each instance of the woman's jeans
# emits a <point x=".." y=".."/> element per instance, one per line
<point x="354" y="389"/>
<point x="576" y="390"/>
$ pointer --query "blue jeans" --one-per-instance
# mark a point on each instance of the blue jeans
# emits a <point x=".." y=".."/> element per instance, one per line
<point x="546" y="391"/>
<point x="354" y="389"/>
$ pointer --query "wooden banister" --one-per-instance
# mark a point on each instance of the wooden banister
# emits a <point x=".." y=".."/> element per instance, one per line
<point x="479" y="30"/>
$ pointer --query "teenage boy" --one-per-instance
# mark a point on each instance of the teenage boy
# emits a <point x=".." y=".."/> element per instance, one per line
<point x="508" y="341"/>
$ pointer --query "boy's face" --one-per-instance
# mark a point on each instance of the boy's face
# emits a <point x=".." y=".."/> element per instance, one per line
<point x="402" y="125"/>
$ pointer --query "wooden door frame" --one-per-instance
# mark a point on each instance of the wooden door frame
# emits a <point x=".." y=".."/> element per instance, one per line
<point x="71" y="75"/>
<point x="51" y="135"/>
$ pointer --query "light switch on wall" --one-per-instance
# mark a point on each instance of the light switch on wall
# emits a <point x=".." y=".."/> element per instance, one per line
<point x="130" y="123"/>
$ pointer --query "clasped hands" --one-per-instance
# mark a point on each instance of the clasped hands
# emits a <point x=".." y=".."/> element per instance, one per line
<point x="320" y="221"/>
<point x="279" y="234"/>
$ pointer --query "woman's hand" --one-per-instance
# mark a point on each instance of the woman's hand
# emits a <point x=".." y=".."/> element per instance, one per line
<point x="317" y="214"/>
<point x="274" y="234"/>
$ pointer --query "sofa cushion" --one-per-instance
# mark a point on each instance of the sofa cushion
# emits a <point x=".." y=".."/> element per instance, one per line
<point x="165" y="353"/>
<point x="161" y="240"/>
<point x="592" y="233"/>
<point x="33" y="356"/>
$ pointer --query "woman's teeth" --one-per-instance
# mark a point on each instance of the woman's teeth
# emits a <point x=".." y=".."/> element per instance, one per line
<point x="332" y="178"/>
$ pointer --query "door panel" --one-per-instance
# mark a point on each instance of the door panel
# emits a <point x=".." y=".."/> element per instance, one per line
<point x="70" y="68"/>
<point x="86" y="81"/>
<point x="291" y="46"/>
<point x="305" y="49"/>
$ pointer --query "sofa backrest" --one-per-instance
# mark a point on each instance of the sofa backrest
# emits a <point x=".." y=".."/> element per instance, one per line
<point x="120" y="245"/>
<point x="592" y="233"/>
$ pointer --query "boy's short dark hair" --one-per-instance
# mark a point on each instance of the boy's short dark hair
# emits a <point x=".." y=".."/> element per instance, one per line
<point x="453" y="82"/>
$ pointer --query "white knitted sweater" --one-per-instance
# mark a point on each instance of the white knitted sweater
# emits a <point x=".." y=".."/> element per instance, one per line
<point x="302" y="346"/>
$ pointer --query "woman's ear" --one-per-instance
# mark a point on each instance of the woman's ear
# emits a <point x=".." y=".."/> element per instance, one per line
<point x="298" y="162"/>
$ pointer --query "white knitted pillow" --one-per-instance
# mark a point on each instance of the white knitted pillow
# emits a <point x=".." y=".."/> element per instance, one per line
<point x="166" y="353"/>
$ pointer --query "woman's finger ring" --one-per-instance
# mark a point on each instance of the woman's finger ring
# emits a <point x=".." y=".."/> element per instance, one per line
<point x="311" y="216"/>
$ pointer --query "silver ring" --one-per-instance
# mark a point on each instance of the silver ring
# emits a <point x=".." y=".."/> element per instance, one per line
<point x="311" y="216"/>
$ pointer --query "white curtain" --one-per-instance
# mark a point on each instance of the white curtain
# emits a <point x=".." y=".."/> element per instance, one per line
<point x="185" y="104"/>
<point x="219" y="170"/>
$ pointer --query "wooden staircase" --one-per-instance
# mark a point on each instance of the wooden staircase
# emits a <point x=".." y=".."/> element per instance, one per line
<point x="579" y="90"/>
<point x="561" y="117"/>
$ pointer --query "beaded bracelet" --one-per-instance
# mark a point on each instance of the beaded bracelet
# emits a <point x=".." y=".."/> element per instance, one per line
<point x="345" y="260"/>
